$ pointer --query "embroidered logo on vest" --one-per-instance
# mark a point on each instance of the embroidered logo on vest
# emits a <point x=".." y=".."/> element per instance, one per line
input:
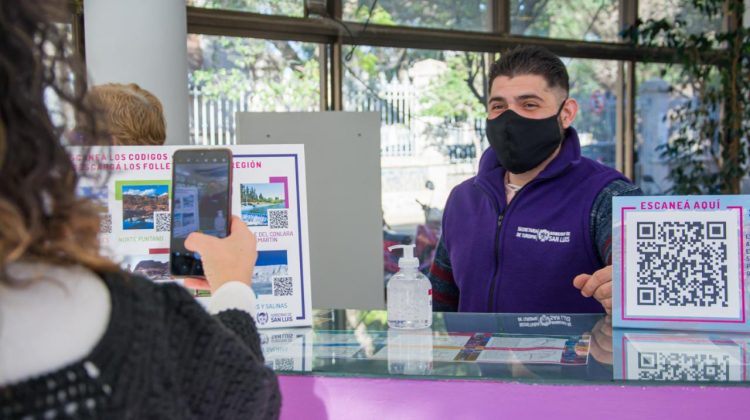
<point x="542" y="235"/>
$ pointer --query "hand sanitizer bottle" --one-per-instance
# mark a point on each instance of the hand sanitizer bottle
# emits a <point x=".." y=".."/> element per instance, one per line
<point x="409" y="294"/>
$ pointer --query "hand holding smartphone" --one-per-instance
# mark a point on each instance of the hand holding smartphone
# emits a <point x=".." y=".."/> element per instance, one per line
<point x="224" y="260"/>
<point x="201" y="202"/>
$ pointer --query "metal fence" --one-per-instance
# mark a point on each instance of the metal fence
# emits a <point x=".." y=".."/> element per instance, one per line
<point x="403" y="132"/>
<point x="212" y="120"/>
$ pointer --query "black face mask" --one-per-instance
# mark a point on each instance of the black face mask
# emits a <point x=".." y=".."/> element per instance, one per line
<point x="520" y="143"/>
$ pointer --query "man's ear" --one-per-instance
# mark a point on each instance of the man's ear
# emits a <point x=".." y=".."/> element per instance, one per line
<point x="569" y="112"/>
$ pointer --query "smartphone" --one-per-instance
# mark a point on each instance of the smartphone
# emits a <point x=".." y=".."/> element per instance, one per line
<point x="201" y="202"/>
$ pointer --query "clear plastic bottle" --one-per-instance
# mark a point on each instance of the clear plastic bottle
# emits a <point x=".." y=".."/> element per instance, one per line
<point x="409" y="294"/>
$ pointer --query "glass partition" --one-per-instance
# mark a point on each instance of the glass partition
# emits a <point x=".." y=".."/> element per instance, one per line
<point x="535" y="348"/>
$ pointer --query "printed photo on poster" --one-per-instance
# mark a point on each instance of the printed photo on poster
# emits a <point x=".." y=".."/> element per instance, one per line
<point x="139" y="202"/>
<point x="99" y="195"/>
<point x="152" y="266"/>
<point x="257" y="199"/>
<point x="142" y="206"/>
<point x="271" y="271"/>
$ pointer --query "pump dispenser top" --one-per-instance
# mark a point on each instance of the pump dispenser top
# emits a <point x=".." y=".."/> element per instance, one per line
<point x="409" y="294"/>
<point x="407" y="260"/>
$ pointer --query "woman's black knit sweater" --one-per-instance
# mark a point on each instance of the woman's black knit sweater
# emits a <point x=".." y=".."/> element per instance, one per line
<point x="162" y="357"/>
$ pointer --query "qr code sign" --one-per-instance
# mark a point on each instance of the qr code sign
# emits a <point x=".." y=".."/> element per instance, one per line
<point x="680" y="263"/>
<point x="282" y="286"/>
<point x="680" y="361"/>
<point x="162" y="221"/>
<point x="278" y="219"/>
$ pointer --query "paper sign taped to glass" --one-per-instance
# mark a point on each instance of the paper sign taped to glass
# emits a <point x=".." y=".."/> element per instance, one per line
<point x="268" y="193"/>
<point x="681" y="262"/>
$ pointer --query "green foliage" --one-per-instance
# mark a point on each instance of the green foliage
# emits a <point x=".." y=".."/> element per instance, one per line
<point x="270" y="75"/>
<point x="450" y="96"/>
<point x="276" y="75"/>
<point x="707" y="152"/>
<point x="594" y="81"/>
<point x="249" y="195"/>
<point x="375" y="320"/>
<point x="592" y="20"/>
<point x="380" y="16"/>
<point x="451" y="14"/>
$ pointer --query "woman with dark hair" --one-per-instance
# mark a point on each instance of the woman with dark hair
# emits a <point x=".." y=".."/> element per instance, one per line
<point x="79" y="338"/>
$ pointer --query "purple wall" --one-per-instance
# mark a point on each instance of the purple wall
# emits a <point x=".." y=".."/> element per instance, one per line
<point x="317" y="397"/>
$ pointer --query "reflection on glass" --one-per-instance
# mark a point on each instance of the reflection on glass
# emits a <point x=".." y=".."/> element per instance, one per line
<point x="466" y="15"/>
<point x="680" y="356"/>
<point x="414" y="352"/>
<point x="288" y="349"/>
<point x="593" y="83"/>
<point x="661" y="93"/>
<point x="410" y="352"/>
<point x="589" y="20"/>
<point x="432" y="107"/>
<point x="266" y="7"/>
<point x="561" y="347"/>
<point x="459" y="345"/>
<point x="228" y="75"/>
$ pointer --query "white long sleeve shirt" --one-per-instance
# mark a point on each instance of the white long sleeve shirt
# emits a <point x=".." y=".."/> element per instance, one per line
<point x="60" y="317"/>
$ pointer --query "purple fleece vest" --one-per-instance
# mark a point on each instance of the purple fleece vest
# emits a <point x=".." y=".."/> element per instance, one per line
<point x="523" y="257"/>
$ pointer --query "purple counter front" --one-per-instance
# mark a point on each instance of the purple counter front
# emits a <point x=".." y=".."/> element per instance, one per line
<point x="315" y="397"/>
<point x="349" y="365"/>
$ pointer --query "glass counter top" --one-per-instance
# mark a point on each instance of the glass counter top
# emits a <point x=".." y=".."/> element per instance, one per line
<point x="534" y="348"/>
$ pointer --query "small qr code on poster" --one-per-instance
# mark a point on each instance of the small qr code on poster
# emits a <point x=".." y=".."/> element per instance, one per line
<point x="162" y="221"/>
<point x="278" y="219"/>
<point x="105" y="223"/>
<point x="282" y="286"/>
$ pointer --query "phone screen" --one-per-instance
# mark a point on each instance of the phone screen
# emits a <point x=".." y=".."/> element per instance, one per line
<point x="201" y="185"/>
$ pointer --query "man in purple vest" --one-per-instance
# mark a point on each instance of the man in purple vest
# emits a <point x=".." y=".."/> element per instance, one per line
<point x="531" y="232"/>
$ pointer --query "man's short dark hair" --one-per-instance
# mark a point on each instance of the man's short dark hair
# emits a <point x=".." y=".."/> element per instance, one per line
<point x="539" y="61"/>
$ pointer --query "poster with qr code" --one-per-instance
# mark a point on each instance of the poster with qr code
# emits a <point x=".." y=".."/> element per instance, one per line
<point x="648" y="355"/>
<point x="681" y="262"/>
<point x="132" y="186"/>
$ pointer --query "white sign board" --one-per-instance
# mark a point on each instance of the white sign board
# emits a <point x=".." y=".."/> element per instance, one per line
<point x="681" y="262"/>
<point x="136" y="218"/>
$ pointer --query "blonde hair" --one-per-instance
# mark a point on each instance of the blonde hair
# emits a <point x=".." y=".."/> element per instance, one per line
<point x="132" y="115"/>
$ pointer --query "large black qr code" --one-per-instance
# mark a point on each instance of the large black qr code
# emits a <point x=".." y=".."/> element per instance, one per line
<point x="278" y="219"/>
<point x="282" y="286"/>
<point x="682" y="264"/>
<point x="661" y="366"/>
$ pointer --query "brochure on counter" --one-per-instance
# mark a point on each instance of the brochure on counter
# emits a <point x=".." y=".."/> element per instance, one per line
<point x="132" y="186"/>
<point x="681" y="262"/>
<point x="453" y="347"/>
